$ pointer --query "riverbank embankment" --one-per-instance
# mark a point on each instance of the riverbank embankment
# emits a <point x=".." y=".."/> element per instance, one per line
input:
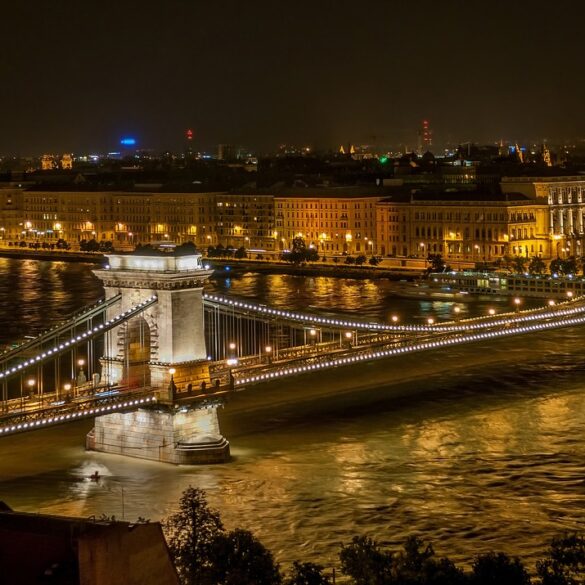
<point x="228" y="266"/>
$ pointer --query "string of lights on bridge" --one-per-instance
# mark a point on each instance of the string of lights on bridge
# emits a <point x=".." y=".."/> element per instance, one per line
<point x="472" y="324"/>
<point x="85" y="336"/>
<point x="370" y="356"/>
<point x="75" y="415"/>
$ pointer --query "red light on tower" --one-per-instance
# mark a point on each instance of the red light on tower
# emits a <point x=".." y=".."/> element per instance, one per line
<point x="427" y="134"/>
<point x="189" y="134"/>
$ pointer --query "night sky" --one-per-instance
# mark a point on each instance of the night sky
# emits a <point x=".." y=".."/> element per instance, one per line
<point x="78" y="75"/>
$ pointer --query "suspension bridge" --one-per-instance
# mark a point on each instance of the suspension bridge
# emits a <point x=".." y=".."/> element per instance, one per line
<point x="152" y="361"/>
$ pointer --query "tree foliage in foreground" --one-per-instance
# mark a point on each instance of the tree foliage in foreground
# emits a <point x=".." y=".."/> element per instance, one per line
<point x="204" y="553"/>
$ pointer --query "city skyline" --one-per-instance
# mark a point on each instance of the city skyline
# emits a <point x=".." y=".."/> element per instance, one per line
<point x="81" y="78"/>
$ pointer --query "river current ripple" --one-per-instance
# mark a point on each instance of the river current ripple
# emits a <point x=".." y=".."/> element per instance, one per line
<point x="487" y="455"/>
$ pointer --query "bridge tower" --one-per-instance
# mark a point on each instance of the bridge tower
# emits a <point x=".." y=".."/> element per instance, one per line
<point x="168" y="336"/>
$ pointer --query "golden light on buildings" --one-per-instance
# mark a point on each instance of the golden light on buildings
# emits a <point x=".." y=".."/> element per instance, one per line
<point x="348" y="237"/>
<point x="57" y="227"/>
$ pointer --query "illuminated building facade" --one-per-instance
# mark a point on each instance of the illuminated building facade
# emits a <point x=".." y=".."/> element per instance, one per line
<point x="334" y="221"/>
<point x="565" y="198"/>
<point x="463" y="227"/>
<point x="532" y="217"/>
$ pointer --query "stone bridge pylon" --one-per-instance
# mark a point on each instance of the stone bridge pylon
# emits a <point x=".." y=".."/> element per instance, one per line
<point x="167" y="336"/>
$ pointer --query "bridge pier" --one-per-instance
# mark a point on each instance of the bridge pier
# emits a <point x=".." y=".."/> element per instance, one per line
<point x="169" y="434"/>
<point x="140" y="353"/>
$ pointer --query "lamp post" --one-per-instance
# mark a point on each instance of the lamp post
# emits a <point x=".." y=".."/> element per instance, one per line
<point x="81" y="377"/>
<point x="67" y="388"/>
<point x="517" y="303"/>
<point x="31" y="387"/>
<point x="231" y="362"/>
<point x="172" y="386"/>
<point x="268" y="350"/>
<point x="491" y="312"/>
<point x="313" y="336"/>
<point x="457" y="311"/>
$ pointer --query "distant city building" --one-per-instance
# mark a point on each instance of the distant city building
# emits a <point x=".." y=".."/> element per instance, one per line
<point x="425" y="137"/>
<point x="67" y="162"/>
<point x="462" y="226"/>
<point x="333" y="220"/>
<point x="48" y="162"/>
<point x="456" y="212"/>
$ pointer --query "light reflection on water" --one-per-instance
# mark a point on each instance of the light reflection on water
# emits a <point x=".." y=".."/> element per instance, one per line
<point x="481" y="456"/>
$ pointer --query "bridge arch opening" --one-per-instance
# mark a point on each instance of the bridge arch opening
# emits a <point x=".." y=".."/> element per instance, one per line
<point x="137" y="341"/>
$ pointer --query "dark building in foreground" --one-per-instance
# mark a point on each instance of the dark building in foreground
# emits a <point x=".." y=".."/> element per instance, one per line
<point x="36" y="548"/>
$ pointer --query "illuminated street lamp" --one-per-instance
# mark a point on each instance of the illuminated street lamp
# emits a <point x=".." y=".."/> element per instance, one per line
<point x="430" y="321"/>
<point x="394" y="318"/>
<point x="551" y="303"/>
<point x="268" y="350"/>
<point x="570" y="294"/>
<point x="492" y="312"/>
<point x="517" y="303"/>
<point x="348" y="337"/>
<point x="172" y="386"/>
<point x="31" y="386"/>
<point x="67" y="389"/>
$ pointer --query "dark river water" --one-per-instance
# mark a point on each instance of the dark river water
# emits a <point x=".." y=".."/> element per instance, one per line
<point x="483" y="448"/>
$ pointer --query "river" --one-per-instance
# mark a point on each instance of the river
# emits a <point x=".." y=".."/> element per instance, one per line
<point x="485" y="455"/>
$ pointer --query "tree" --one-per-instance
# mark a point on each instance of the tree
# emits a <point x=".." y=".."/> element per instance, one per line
<point x="186" y="249"/>
<point x="564" y="267"/>
<point x="505" y="262"/>
<point x="364" y="562"/>
<point x="374" y="260"/>
<point x="239" y="558"/>
<point x="569" y="265"/>
<point x="349" y="260"/>
<point x="556" y="266"/>
<point x="240" y="253"/>
<point x="565" y="564"/>
<point x="416" y="565"/>
<point x="518" y="263"/>
<point x="536" y="265"/>
<point x="307" y="574"/>
<point x="190" y="534"/>
<point x="437" y="264"/>
<point x="498" y="569"/>
<point x="360" y="260"/>
<point x="297" y="253"/>
<point x="312" y="254"/>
